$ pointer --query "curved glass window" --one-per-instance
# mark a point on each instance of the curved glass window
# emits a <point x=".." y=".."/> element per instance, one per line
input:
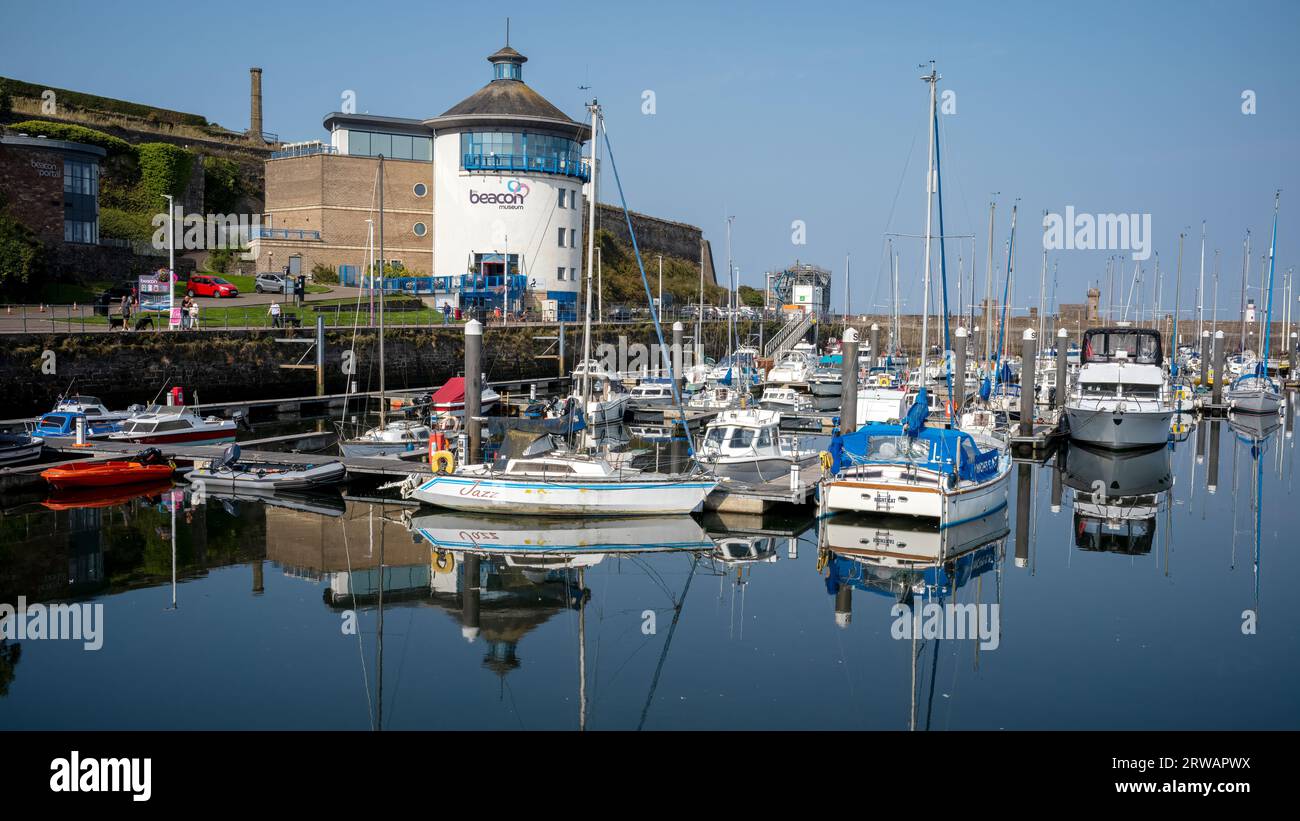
<point x="420" y="229"/>
<point x="521" y="151"/>
<point x="420" y="189"/>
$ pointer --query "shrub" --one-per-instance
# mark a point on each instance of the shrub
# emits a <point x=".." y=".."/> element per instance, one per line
<point x="164" y="169"/>
<point x="119" y="224"/>
<point x="324" y="274"/>
<point x="222" y="185"/>
<point x="74" y="133"/>
<point x="22" y="256"/>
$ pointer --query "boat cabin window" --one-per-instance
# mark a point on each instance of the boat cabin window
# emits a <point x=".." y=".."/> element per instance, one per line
<point x="142" y="427"/>
<point x="1142" y="348"/>
<point x="715" y="436"/>
<point x="172" y="424"/>
<point x="765" y="438"/>
<point x="741" y="438"/>
<point x="897" y="447"/>
<point x="1099" y="388"/>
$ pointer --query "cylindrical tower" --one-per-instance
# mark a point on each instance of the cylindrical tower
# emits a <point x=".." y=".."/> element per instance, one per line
<point x="508" y="181"/>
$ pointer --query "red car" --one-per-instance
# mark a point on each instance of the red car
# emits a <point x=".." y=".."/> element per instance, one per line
<point x="207" y="285"/>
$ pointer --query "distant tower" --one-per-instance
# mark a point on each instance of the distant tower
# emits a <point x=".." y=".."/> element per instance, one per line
<point x="255" y="104"/>
<point x="1094" y="300"/>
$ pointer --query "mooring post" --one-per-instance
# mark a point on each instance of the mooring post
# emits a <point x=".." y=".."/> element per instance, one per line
<point x="849" y="382"/>
<point x="958" y="397"/>
<point x="560" y="357"/>
<point x="1062" y="368"/>
<point x="875" y="344"/>
<point x="472" y="593"/>
<point x="1220" y="354"/>
<point x="1212" y="476"/>
<point x="675" y="355"/>
<point x="473" y="387"/>
<point x="1057" y="470"/>
<point x="1290" y="373"/>
<point x="320" y="354"/>
<point x="1023" y="501"/>
<point x="1028" y="371"/>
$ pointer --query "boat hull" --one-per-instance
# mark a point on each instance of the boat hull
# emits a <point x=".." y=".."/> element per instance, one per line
<point x="186" y="438"/>
<point x="923" y="498"/>
<point x="381" y="448"/>
<point x="105" y="474"/>
<point x="501" y="495"/>
<point x="1119" y="430"/>
<point x="1254" y="401"/>
<point x="21" y="454"/>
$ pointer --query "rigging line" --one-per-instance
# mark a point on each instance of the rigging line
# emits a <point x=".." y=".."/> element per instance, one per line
<point x="943" y="273"/>
<point x="677" y="612"/>
<point x="655" y="309"/>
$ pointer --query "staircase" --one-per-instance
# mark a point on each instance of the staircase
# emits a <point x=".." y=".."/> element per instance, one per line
<point x="790" y="335"/>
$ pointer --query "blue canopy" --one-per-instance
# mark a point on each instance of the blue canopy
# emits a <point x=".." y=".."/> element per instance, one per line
<point x="936" y="449"/>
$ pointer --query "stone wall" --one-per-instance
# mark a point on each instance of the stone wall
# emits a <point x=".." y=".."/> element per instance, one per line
<point x="126" y="368"/>
<point x="32" y="183"/>
<point x="658" y="236"/>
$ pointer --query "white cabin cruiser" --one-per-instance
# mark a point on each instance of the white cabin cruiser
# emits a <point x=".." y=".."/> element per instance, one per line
<point x="174" y="424"/>
<point x="608" y="401"/>
<point x="795" y="367"/>
<point x="785" y="399"/>
<point x="747" y="444"/>
<point x="1121" y="398"/>
<point x="91" y="406"/>
<point x="881" y="404"/>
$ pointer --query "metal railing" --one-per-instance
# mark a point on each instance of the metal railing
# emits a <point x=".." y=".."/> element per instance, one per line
<point x="524" y="162"/>
<point x="284" y="233"/>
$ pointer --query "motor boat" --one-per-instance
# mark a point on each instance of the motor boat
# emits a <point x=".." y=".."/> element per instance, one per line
<point x="881" y="404"/>
<point x="828" y="377"/>
<point x="91" y="406"/>
<point x="608" y="401"/>
<point x="785" y="399"/>
<point x="174" y="424"/>
<point x="718" y="397"/>
<point x="1117" y="496"/>
<point x="1121" y="398"/>
<point x="651" y="393"/>
<point x="747" y="444"/>
<point x="794" y="367"/>
<point x="558" y="536"/>
<point x="64" y="423"/>
<point x="19" y="448"/>
<point x="449" y="400"/>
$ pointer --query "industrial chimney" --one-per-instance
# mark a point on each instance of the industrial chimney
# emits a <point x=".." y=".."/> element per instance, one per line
<point x="255" y="101"/>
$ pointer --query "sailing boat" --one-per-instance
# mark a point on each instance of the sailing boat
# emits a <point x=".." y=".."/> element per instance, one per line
<point x="567" y="483"/>
<point x="1255" y="391"/>
<point x="907" y="468"/>
<point x="400" y="435"/>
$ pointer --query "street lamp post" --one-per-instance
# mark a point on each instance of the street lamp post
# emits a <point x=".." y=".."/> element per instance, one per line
<point x="171" y="261"/>
<point x="660" y="308"/>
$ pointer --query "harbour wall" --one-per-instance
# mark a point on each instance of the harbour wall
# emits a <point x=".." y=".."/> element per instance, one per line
<point x="223" y="366"/>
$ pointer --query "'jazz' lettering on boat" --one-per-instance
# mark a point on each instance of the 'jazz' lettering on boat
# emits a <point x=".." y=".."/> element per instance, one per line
<point x="477" y="493"/>
<point x="477" y="536"/>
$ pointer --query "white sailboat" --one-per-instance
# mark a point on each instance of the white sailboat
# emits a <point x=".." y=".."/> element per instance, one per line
<point x="1255" y="391"/>
<point x="946" y="474"/>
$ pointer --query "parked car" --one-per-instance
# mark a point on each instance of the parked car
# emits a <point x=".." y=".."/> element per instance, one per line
<point x="619" y="314"/>
<point x="208" y="285"/>
<point x="269" y="283"/>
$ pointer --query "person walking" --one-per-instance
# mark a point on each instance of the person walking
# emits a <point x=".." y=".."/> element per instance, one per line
<point x="185" y="312"/>
<point x="126" y="312"/>
<point x="277" y="321"/>
<point x="194" y="315"/>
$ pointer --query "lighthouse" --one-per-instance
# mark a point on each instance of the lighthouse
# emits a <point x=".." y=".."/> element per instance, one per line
<point x="508" y="190"/>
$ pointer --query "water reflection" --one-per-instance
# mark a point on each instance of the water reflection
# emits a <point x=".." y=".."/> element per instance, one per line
<point x="464" y="622"/>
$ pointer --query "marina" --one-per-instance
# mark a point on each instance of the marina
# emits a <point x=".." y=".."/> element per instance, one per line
<point x="740" y="372"/>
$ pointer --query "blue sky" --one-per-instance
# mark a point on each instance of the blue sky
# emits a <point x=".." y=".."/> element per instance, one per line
<point x="775" y="112"/>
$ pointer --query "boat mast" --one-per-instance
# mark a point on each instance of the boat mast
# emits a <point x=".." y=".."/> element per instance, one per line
<point x="988" y="287"/>
<point x="932" y="78"/>
<point x="1200" y="300"/>
<point x="1178" y="288"/>
<point x="1214" y="312"/>
<point x="1267" y="331"/>
<point x="1245" y="275"/>
<point x="594" y="107"/>
<point x="383" y="401"/>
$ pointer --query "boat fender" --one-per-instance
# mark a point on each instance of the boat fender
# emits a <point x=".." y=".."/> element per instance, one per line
<point x="826" y="462"/>
<point x="442" y="462"/>
<point x="444" y="562"/>
<point x="952" y="481"/>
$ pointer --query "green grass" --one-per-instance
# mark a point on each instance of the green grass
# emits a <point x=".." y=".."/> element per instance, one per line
<point x="256" y="316"/>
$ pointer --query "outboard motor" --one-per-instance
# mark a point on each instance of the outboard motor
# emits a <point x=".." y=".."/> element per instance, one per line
<point x="149" y="456"/>
<point x="242" y="420"/>
<point x="230" y="455"/>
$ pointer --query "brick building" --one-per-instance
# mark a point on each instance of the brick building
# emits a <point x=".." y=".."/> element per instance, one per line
<point x="52" y="187"/>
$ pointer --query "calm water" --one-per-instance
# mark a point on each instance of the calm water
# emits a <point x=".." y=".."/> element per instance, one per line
<point x="1122" y="609"/>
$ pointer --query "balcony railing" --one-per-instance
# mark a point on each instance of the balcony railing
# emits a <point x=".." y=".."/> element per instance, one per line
<point x="284" y="233"/>
<point x="523" y="162"/>
<point x="303" y="151"/>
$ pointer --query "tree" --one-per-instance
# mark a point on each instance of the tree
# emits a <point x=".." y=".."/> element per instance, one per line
<point x="750" y="296"/>
<point x="6" y="99"/>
